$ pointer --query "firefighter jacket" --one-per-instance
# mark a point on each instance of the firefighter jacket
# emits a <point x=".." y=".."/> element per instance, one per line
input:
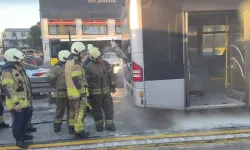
<point x="86" y="62"/>
<point x="56" y="76"/>
<point x="16" y="87"/>
<point x="100" y="77"/>
<point x="1" y="97"/>
<point x="75" y="79"/>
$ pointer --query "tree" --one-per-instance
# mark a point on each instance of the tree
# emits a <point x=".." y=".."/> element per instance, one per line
<point x="34" y="39"/>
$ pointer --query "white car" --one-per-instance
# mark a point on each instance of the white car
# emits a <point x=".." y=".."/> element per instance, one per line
<point x="113" y="60"/>
<point x="38" y="78"/>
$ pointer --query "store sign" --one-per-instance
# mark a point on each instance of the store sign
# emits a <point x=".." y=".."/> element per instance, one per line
<point x="102" y="1"/>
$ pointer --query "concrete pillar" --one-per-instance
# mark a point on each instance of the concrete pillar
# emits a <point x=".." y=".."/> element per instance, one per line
<point x="78" y="22"/>
<point x="111" y="27"/>
<point x="45" y="39"/>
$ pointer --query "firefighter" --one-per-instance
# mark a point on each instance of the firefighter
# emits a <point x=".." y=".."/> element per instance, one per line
<point x="56" y="78"/>
<point x="16" y="87"/>
<point x="2" y="123"/>
<point x="88" y="60"/>
<point x="101" y="82"/>
<point x="77" y="89"/>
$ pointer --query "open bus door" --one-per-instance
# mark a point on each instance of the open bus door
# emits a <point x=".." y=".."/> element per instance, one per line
<point x="54" y="50"/>
<point x="237" y="71"/>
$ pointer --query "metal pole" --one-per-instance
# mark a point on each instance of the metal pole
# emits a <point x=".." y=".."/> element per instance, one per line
<point x="69" y="39"/>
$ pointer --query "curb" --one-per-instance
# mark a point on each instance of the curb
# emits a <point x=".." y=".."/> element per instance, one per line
<point x="176" y="139"/>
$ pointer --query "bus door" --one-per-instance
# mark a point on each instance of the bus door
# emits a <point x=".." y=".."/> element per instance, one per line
<point x="54" y="50"/>
<point x="236" y="64"/>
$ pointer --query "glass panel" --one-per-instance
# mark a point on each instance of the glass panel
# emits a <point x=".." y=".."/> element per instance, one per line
<point x="208" y="28"/>
<point x="192" y="39"/>
<point x="118" y="29"/>
<point x="220" y="27"/>
<point x="215" y="28"/>
<point x="220" y="43"/>
<point x="52" y="29"/>
<point x="64" y="30"/>
<point x="208" y="44"/>
<point x="95" y="29"/>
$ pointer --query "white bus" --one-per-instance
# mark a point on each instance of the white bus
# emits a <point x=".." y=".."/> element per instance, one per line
<point x="184" y="54"/>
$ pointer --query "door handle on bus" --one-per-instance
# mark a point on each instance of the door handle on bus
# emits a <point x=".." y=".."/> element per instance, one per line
<point x="242" y="58"/>
<point x="242" y="73"/>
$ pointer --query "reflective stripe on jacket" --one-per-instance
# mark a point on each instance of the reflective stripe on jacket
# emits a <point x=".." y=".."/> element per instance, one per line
<point x="100" y="77"/>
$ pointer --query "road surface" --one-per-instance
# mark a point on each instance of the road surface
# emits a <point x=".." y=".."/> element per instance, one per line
<point x="214" y="146"/>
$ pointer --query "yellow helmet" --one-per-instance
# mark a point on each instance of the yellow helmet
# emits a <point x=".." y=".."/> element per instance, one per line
<point x="90" y="46"/>
<point x="94" y="53"/>
<point x="63" y="55"/>
<point x="13" y="55"/>
<point x="77" y="47"/>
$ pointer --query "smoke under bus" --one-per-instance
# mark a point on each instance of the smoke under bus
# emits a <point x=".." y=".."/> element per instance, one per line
<point x="184" y="54"/>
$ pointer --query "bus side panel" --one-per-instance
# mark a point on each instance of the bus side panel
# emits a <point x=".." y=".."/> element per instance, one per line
<point x="162" y="27"/>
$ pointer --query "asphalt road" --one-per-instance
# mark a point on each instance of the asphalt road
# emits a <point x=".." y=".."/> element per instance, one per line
<point x="131" y="120"/>
<point x="216" y="146"/>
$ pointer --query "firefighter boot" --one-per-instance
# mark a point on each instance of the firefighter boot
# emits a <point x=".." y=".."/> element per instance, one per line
<point x="3" y="125"/>
<point x="99" y="127"/>
<point x="27" y="137"/>
<point x="82" y="135"/>
<point x="71" y="130"/>
<point x="22" y="144"/>
<point x="30" y="128"/>
<point x="110" y="127"/>
<point x="57" y="127"/>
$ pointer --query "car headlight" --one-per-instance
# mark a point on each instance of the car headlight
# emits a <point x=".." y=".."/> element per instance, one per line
<point x="116" y="69"/>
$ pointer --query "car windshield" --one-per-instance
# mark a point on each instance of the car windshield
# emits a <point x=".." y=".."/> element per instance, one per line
<point x="109" y="55"/>
<point x="30" y="67"/>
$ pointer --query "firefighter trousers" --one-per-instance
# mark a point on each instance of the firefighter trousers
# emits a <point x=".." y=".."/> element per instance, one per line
<point x="30" y="110"/>
<point x="61" y="105"/>
<point x="105" y="102"/>
<point x="1" y="112"/>
<point x="76" y="115"/>
<point x="20" y="119"/>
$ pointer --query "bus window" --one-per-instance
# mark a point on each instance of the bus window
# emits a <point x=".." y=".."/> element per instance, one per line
<point x="214" y="39"/>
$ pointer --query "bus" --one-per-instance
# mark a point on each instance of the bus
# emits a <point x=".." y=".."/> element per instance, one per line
<point x="184" y="54"/>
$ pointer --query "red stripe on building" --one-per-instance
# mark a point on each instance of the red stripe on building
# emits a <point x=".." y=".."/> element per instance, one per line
<point x="94" y="22"/>
<point x="61" y="22"/>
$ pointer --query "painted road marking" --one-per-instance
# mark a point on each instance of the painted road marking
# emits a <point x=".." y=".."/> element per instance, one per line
<point x="133" y="138"/>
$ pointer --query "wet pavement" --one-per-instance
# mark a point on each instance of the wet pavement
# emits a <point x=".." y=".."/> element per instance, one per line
<point x="131" y="121"/>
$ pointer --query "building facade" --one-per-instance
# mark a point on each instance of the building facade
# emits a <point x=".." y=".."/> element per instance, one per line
<point x="78" y="20"/>
<point x="15" y="37"/>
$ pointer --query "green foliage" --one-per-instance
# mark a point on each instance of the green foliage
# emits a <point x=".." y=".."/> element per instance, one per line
<point x="34" y="40"/>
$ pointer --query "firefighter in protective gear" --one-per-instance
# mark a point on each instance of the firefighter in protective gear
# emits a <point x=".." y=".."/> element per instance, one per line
<point x="56" y="78"/>
<point x="16" y="87"/>
<point x="101" y="82"/>
<point x="77" y="89"/>
<point x="2" y="123"/>
<point x="88" y="60"/>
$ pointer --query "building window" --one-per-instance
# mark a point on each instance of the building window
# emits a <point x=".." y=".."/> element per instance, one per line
<point x="13" y="33"/>
<point x="23" y="34"/>
<point x="214" y="39"/>
<point x="66" y="29"/>
<point x="94" y="30"/>
<point x="52" y="29"/>
<point x="118" y="29"/>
